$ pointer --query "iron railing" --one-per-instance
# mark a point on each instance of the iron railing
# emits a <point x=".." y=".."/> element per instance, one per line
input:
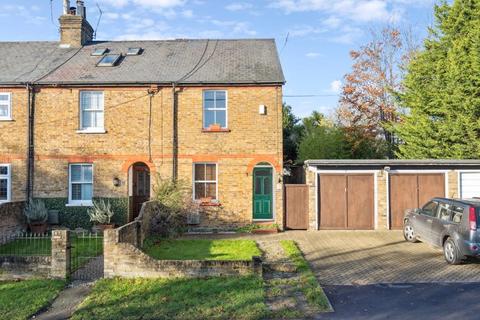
<point x="86" y="255"/>
<point x="26" y="244"/>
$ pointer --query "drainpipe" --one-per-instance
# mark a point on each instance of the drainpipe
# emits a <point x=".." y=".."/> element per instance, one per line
<point x="30" y="141"/>
<point x="174" y="133"/>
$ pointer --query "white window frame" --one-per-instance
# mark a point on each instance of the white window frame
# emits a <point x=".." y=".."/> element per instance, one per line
<point x="215" y="109"/>
<point x="79" y="203"/>
<point x="8" y="176"/>
<point x="205" y="181"/>
<point x="8" y="117"/>
<point x="83" y="129"/>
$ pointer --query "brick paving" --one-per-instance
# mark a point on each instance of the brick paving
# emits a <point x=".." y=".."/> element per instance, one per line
<point x="370" y="257"/>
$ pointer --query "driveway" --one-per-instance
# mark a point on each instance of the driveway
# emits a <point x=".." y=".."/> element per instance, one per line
<point x="371" y="257"/>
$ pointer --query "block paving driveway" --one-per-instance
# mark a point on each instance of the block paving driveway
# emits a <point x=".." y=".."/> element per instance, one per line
<point x="370" y="257"/>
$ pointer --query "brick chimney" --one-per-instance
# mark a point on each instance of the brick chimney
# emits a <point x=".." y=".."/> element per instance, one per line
<point x="75" y="31"/>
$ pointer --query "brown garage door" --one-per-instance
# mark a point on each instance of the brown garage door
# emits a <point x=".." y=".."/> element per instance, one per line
<point x="296" y="206"/>
<point x="346" y="201"/>
<point x="412" y="191"/>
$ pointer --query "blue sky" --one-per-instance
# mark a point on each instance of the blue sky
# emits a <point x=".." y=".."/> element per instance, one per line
<point x="315" y="58"/>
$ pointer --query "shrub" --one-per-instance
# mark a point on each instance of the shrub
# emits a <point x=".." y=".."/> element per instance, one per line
<point x="101" y="213"/>
<point x="36" y="212"/>
<point x="168" y="213"/>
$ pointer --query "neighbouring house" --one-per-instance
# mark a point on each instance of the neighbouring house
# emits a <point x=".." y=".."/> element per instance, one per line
<point x="374" y="194"/>
<point x="82" y="120"/>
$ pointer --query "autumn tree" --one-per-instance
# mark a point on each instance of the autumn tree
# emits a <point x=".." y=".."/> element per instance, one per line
<point x="367" y="107"/>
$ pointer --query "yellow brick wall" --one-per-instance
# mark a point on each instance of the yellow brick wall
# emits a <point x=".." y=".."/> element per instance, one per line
<point x="253" y="138"/>
<point x="382" y="206"/>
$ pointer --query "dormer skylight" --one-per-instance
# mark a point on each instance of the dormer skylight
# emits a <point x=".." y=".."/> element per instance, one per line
<point x="99" y="51"/>
<point x="109" y="60"/>
<point x="134" y="51"/>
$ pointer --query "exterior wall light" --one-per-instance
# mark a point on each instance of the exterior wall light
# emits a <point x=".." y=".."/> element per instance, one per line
<point x="116" y="182"/>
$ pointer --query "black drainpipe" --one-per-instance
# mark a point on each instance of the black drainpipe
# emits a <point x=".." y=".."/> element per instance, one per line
<point x="175" y="133"/>
<point x="30" y="141"/>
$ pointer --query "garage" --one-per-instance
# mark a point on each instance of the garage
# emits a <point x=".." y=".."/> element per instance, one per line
<point x="469" y="184"/>
<point x="346" y="201"/>
<point x="412" y="190"/>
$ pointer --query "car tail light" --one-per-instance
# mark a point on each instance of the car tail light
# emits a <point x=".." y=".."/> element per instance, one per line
<point x="472" y="219"/>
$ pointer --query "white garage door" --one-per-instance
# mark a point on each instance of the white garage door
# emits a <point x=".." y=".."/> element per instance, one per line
<point x="469" y="184"/>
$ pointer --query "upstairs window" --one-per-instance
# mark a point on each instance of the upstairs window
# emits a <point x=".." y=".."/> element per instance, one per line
<point x="5" y="106"/>
<point x="205" y="181"/>
<point x="91" y="111"/>
<point x="5" y="183"/>
<point x="81" y="184"/>
<point x="214" y="109"/>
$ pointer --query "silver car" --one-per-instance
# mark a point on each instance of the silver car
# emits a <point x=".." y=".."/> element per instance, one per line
<point x="450" y="224"/>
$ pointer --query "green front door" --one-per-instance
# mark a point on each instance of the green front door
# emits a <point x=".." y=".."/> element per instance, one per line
<point x="262" y="193"/>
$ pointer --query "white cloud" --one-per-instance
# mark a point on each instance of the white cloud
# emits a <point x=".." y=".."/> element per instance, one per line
<point x="187" y="13"/>
<point x="312" y="55"/>
<point x="237" y="27"/>
<point x="238" y="6"/>
<point x="144" y="3"/>
<point x="347" y="35"/>
<point x="305" y="30"/>
<point x="336" y="86"/>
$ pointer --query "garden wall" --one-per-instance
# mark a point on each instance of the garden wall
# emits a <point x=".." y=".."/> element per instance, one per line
<point x="124" y="259"/>
<point x="12" y="219"/>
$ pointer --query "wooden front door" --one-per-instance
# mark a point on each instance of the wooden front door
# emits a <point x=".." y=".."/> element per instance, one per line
<point x="140" y="188"/>
<point x="296" y="206"/>
<point x="347" y="201"/>
<point x="262" y="194"/>
<point x="410" y="191"/>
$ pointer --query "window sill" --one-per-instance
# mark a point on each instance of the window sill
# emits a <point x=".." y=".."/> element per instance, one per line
<point x="206" y="130"/>
<point x="92" y="131"/>
<point x="80" y="204"/>
<point x="210" y="204"/>
<point x="6" y="120"/>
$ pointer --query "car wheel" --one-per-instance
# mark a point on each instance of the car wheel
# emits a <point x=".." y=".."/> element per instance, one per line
<point x="409" y="233"/>
<point x="450" y="251"/>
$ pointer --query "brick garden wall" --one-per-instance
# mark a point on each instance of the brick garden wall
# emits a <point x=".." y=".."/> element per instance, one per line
<point x="124" y="259"/>
<point x="12" y="219"/>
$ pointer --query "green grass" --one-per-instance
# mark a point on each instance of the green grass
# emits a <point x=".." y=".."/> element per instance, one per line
<point x="201" y="249"/>
<point x="249" y="228"/>
<point x="316" y="298"/>
<point x="22" y="299"/>
<point x="215" y="298"/>
<point x="83" y="248"/>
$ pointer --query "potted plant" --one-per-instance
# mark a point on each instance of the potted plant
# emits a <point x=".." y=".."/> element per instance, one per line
<point x="101" y="214"/>
<point x="215" y="127"/>
<point x="37" y="215"/>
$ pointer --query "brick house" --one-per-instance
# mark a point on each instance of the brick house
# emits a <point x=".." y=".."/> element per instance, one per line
<point x="83" y="120"/>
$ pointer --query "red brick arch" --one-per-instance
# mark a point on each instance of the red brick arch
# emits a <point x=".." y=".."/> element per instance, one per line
<point x="270" y="160"/>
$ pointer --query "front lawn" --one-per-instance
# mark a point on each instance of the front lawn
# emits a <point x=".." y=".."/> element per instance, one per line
<point x="22" y="299"/>
<point x="218" y="298"/>
<point x="162" y="249"/>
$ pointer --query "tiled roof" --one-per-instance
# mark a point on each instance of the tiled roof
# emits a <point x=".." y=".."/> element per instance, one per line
<point x="183" y="61"/>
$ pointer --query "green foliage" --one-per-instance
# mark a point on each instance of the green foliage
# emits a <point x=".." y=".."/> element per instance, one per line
<point x="36" y="212"/>
<point x="292" y="134"/>
<point x="163" y="249"/>
<point x="309" y="284"/>
<point x="171" y="194"/>
<point x="101" y="213"/>
<point x="254" y="226"/>
<point x="215" y="298"/>
<point x="442" y="88"/>
<point x="77" y="217"/>
<point x="21" y="299"/>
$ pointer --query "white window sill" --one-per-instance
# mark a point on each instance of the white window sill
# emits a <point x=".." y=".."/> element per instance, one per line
<point x="80" y="204"/>
<point x="91" y="131"/>
<point x="6" y="119"/>
<point x="4" y="201"/>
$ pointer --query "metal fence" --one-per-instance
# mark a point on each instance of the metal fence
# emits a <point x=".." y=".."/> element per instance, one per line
<point x="26" y="244"/>
<point x="86" y="256"/>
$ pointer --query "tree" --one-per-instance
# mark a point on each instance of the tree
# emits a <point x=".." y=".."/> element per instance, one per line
<point x="322" y="140"/>
<point x="292" y="133"/>
<point x="442" y="88"/>
<point x="367" y="107"/>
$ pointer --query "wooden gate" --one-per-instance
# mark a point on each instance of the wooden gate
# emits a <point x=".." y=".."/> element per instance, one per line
<point x="296" y="206"/>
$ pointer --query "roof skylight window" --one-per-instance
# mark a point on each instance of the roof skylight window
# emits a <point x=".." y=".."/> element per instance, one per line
<point x="109" y="60"/>
<point x="99" y="51"/>
<point x="134" y="51"/>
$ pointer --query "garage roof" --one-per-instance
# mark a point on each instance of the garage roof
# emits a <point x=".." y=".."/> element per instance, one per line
<point x="393" y="163"/>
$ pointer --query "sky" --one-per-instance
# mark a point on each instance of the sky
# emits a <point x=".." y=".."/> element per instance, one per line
<point x="314" y="37"/>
